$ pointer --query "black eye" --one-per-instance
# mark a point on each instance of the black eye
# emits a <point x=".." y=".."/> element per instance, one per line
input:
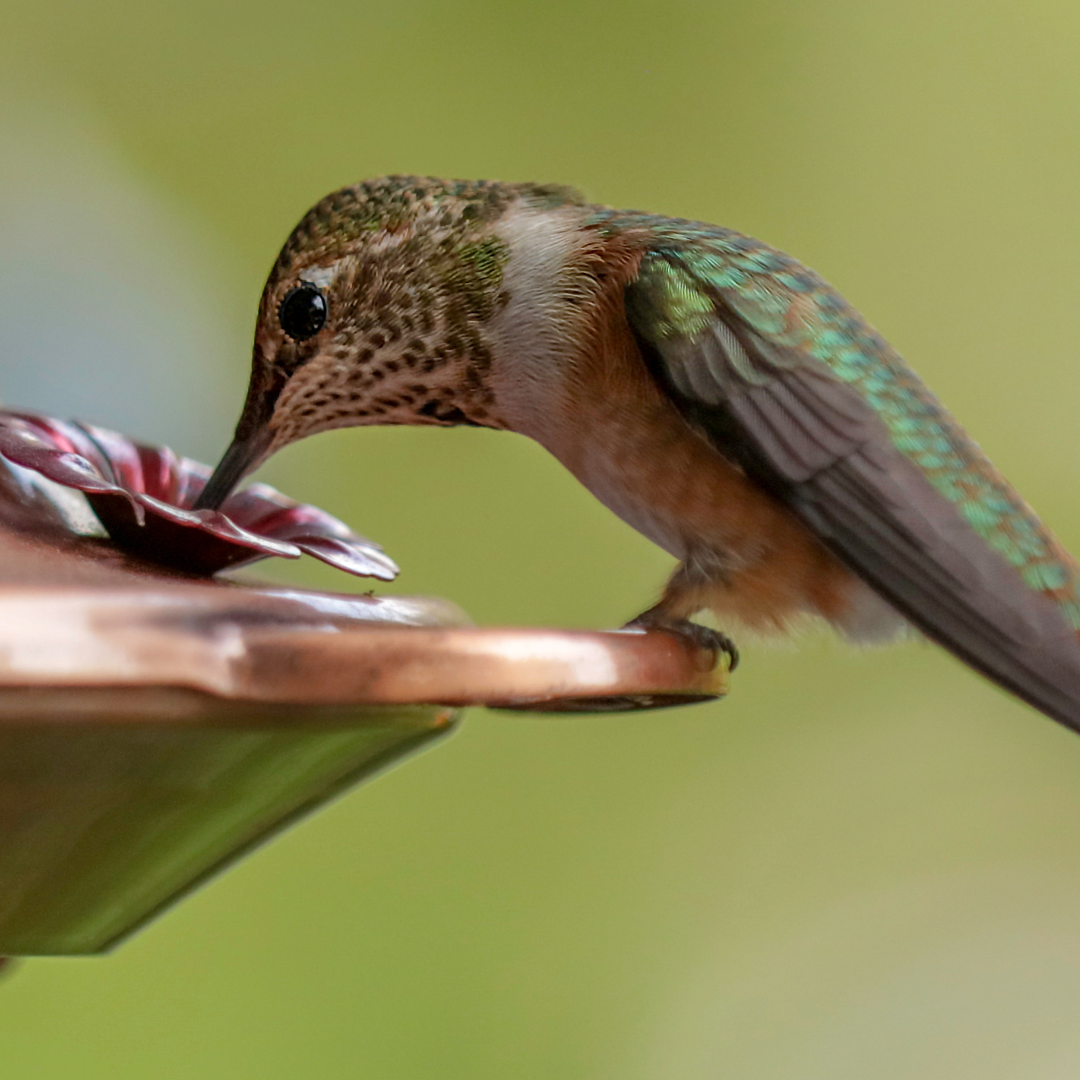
<point x="303" y="311"/>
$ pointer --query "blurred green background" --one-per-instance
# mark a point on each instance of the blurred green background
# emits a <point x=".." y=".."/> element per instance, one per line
<point x="859" y="865"/>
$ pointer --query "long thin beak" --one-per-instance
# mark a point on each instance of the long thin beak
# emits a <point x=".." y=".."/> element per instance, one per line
<point x="241" y="457"/>
<point x="253" y="436"/>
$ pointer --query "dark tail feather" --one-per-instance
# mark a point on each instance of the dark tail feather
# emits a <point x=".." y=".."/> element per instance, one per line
<point x="885" y="520"/>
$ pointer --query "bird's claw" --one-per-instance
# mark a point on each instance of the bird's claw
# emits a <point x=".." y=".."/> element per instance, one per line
<point x="701" y="637"/>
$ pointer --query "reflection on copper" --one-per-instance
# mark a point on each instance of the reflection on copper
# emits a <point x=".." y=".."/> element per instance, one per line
<point x="276" y="646"/>
<point x="156" y="725"/>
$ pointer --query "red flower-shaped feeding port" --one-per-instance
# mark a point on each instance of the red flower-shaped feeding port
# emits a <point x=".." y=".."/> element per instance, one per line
<point x="141" y="495"/>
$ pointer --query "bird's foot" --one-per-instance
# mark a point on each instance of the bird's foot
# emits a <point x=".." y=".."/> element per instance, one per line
<point x="699" y="636"/>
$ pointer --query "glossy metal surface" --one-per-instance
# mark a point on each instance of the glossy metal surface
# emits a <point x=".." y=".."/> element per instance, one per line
<point x="104" y="824"/>
<point x="155" y="727"/>
<point x="278" y="646"/>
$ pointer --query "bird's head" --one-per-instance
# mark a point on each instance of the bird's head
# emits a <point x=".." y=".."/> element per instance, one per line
<point x="377" y="311"/>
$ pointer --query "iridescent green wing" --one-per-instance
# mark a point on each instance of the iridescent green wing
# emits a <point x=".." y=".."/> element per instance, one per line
<point x="791" y="383"/>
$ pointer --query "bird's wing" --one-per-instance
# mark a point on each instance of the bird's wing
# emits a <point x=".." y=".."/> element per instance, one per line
<point x="790" y="383"/>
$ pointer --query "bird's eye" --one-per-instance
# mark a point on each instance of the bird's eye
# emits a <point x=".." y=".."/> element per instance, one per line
<point x="302" y="313"/>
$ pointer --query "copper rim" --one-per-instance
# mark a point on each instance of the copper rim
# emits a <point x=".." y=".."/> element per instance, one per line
<point x="287" y="646"/>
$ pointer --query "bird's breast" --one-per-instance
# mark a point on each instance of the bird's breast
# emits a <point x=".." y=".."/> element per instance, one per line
<point x="569" y="373"/>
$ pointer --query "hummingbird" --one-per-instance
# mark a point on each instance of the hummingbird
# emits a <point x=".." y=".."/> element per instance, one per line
<point x="710" y="390"/>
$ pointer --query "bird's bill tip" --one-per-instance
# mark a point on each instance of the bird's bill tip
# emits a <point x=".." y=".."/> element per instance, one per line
<point x="243" y="455"/>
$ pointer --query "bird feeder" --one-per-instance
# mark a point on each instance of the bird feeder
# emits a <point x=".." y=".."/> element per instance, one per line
<point x="157" y="723"/>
